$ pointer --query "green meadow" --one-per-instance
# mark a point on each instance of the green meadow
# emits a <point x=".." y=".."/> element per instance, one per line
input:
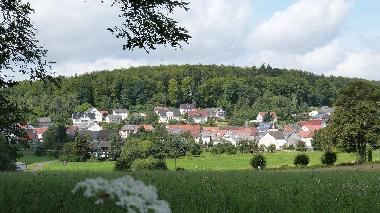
<point x="210" y="183"/>
<point x="210" y="162"/>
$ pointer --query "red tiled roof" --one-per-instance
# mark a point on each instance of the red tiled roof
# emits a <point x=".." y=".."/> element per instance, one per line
<point x="311" y="123"/>
<point x="193" y="129"/>
<point x="147" y="127"/>
<point x="40" y="131"/>
<point x="200" y="113"/>
<point x="306" y="134"/>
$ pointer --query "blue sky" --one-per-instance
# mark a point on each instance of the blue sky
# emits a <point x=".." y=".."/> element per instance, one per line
<point x="331" y="37"/>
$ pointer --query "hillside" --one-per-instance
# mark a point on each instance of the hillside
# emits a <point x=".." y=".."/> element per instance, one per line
<point x="241" y="91"/>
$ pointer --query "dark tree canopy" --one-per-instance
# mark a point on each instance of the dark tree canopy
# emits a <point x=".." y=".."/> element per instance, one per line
<point x="19" y="48"/>
<point x="147" y="24"/>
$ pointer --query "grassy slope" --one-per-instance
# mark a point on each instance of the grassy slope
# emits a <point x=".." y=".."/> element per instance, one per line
<point x="189" y="191"/>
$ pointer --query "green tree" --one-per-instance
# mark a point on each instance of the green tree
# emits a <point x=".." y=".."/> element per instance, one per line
<point x="133" y="149"/>
<point x="355" y="120"/>
<point x="80" y="149"/>
<point x="173" y="92"/>
<point x="187" y="89"/>
<point x="55" y="137"/>
<point x="83" y="107"/>
<point x="8" y="155"/>
<point x="115" y="147"/>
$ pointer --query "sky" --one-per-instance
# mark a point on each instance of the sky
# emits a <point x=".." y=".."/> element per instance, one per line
<point x="330" y="37"/>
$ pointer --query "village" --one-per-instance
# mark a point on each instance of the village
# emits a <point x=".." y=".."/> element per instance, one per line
<point x="264" y="130"/>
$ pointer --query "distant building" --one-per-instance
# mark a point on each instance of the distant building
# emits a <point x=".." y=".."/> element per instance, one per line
<point x="274" y="137"/>
<point x="216" y="113"/>
<point x="114" y="118"/>
<point x="44" y="122"/>
<point x="122" y="112"/>
<point x="261" y="115"/>
<point x="199" y="116"/>
<point x="165" y="114"/>
<point x="186" y="108"/>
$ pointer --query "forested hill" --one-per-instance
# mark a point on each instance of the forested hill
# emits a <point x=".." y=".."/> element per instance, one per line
<point x="241" y="91"/>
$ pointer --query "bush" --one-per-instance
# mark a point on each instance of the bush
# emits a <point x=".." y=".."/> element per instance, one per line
<point x="258" y="162"/>
<point x="301" y="160"/>
<point x="300" y="146"/>
<point x="179" y="168"/>
<point x="148" y="164"/>
<point x="122" y="164"/>
<point x="271" y="148"/>
<point x="328" y="158"/>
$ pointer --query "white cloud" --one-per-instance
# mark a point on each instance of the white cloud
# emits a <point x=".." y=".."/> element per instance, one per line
<point x="302" y="26"/>
<point x="72" y="68"/>
<point x="361" y="64"/>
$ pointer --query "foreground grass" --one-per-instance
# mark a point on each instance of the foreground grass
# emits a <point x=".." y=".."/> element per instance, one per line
<point x="190" y="191"/>
<point x="208" y="162"/>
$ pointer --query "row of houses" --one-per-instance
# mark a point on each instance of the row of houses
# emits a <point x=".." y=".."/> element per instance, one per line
<point x="188" y="112"/>
<point x="93" y="115"/>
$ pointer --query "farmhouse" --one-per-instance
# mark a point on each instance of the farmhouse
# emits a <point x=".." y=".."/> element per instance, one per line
<point x="97" y="113"/>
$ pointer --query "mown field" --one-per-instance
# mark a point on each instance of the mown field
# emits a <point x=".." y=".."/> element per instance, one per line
<point x="204" y="191"/>
<point x="210" y="162"/>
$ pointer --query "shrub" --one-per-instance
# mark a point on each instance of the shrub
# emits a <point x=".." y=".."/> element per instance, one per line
<point x="122" y="164"/>
<point x="301" y="160"/>
<point x="328" y="158"/>
<point x="258" y="162"/>
<point x="271" y="148"/>
<point x="148" y="164"/>
<point x="300" y="146"/>
<point x="179" y="168"/>
<point x="262" y="148"/>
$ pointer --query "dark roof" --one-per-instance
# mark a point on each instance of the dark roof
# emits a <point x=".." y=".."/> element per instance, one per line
<point x="115" y="118"/>
<point x="78" y="115"/>
<point x="278" y="135"/>
<point x="162" y="112"/>
<point x="120" y="110"/>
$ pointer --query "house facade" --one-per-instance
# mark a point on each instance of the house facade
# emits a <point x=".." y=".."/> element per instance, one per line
<point x="122" y="112"/>
<point x="275" y="137"/>
<point x="186" y="108"/>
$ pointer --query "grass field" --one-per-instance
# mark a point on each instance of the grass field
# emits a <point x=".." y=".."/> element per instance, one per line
<point x="202" y="191"/>
<point x="32" y="158"/>
<point x="211" y="162"/>
<point x="210" y="184"/>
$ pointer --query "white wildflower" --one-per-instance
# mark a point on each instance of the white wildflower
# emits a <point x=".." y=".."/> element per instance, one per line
<point x="129" y="193"/>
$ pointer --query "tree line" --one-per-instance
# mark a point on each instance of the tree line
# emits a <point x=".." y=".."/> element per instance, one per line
<point x="241" y="91"/>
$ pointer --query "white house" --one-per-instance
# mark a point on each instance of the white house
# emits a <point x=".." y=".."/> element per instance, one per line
<point x="127" y="130"/>
<point x="198" y="117"/>
<point x="98" y="114"/>
<point x="276" y="137"/>
<point x="186" y="108"/>
<point x="261" y="115"/>
<point x="307" y="137"/>
<point x="313" y="113"/>
<point x="122" y="112"/>
<point x="217" y="113"/>
<point x="83" y="117"/>
<point x="165" y="115"/>
<point x="91" y="126"/>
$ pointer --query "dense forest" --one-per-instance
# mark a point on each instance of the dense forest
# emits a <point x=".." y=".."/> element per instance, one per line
<point x="241" y="91"/>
